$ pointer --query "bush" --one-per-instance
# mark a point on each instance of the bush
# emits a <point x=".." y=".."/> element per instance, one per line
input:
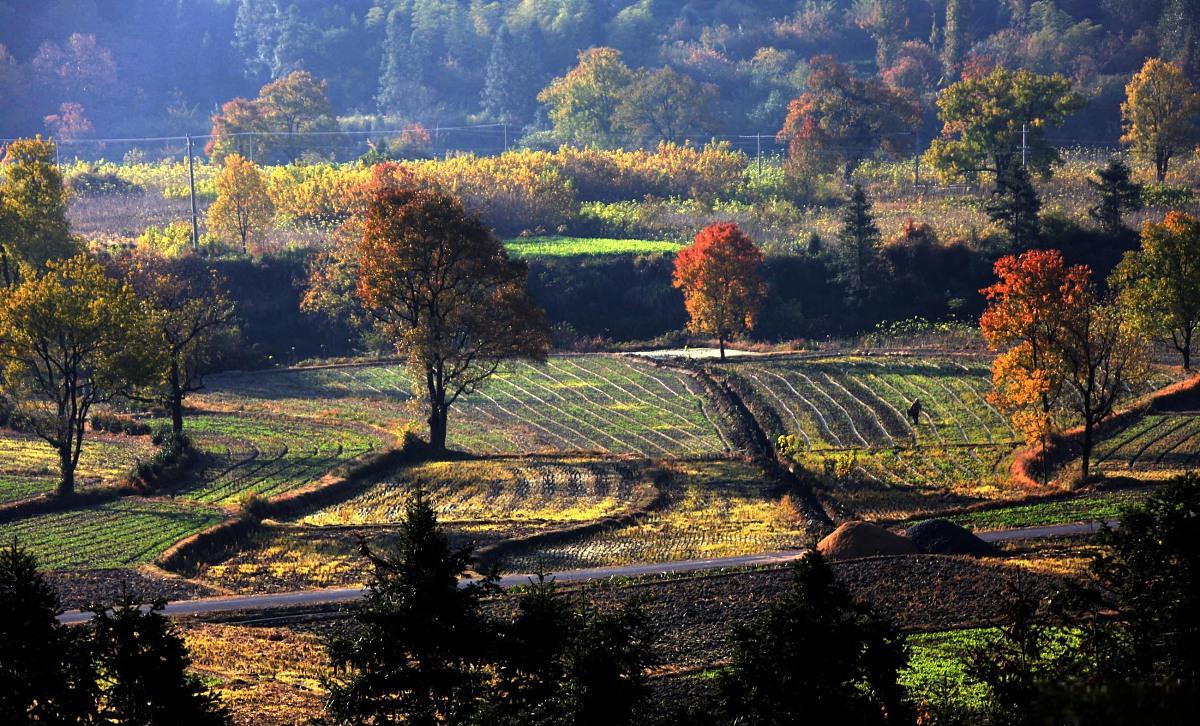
<point x="1166" y="195"/>
<point x="115" y="424"/>
<point x="175" y="453"/>
<point x="92" y="182"/>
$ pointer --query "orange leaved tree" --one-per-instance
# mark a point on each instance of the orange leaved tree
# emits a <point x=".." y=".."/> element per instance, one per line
<point x="434" y="280"/>
<point x="718" y="274"/>
<point x="1056" y="335"/>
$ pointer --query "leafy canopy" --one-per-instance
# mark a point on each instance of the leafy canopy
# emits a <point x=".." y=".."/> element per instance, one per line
<point x="982" y="120"/>
<point x="719" y="276"/>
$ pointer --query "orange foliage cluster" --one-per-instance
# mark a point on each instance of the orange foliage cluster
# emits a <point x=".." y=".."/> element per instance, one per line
<point x="1026" y="306"/>
<point x="718" y="274"/>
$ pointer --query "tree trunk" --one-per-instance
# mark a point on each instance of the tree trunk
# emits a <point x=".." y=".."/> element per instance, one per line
<point x="1186" y="350"/>
<point x="437" y="429"/>
<point x="176" y="401"/>
<point x="721" y="343"/>
<point x="66" y="482"/>
<point x="1087" y="451"/>
<point x="1160" y="167"/>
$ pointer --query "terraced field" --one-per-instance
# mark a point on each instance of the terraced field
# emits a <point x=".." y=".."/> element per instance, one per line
<point x="479" y="502"/>
<point x="848" y="403"/>
<point x="266" y="456"/>
<point x="28" y="466"/>
<point x="124" y="532"/>
<point x="596" y="403"/>
<point x="710" y="510"/>
<point x="1154" y="443"/>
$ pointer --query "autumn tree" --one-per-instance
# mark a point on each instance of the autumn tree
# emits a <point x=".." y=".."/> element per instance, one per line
<point x="982" y="122"/>
<point x="582" y="104"/>
<point x="1159" y="113"/>
<point x="1021" y="323"/>
<point x="665" y="106"/>
<point x="842" y="119"/>
<point x="1160" y="283"/>
<point x="1057" y="333"/>
<point x="70" y="339"/>
<point x="34" y="228"/>
<point x="719" y="276"/>
<point x="1118" y="194"/>
<point x="436" y="282"/>
<point x="243" y="210"/>
<point x="69" y="123"/>
<point x="275" y="123"/>
<point x="194" y="316"/>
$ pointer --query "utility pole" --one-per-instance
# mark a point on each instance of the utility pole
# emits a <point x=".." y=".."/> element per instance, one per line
<point x="192" y="184"/>
<point x="916" y="161"/>
<point x="1024" y="145"/>
<point x="506" y="138"/>
<point x="758" y="143"/>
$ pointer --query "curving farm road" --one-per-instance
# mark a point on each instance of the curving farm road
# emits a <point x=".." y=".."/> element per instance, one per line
<point x="333" y="596"/>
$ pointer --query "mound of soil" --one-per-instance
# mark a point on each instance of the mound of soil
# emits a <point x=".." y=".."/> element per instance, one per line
<point x="861" y="539"/>
<point x="941" y="537"/>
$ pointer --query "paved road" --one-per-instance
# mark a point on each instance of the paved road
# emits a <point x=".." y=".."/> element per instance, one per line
<point x="313" y="598"/>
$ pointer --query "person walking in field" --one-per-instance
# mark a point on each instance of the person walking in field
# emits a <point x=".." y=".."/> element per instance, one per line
<point x="914" y="412"/>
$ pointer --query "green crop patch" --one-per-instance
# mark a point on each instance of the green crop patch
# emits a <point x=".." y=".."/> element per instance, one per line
<point x="1088" y="508"/>
<point x="29" y="466"/>
<point x="594" y="403"/>
<point x="266" y="456"/>
<point x="121" y="533"/>
<point x="558" y="246"/>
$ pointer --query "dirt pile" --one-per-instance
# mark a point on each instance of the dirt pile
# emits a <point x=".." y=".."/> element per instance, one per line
<point x="861" y="539"/>
<point x="942" y="537"/>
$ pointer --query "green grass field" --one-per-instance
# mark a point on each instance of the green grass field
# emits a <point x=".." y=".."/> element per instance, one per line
<point x="29" y="466"/>
<point x="937" y="670"/>
<point x="1087" y="508"/>
<point x="125" y="532"/>
<point x="595" y="403"/>
<point x="558" y="246"/>
<point x="266" y="456"/>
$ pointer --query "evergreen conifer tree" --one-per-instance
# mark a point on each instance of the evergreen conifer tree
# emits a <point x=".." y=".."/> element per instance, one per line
<point x="859" y="251"/>
<point x="1014" y="205"/>
<point x="1118" y="194"/>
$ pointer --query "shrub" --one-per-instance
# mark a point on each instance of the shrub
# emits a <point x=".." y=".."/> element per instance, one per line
<point x="1166" y="195"/>
<point x="93" y="182"/>
<point x="175" y="454"/>
<point x="115" y="424"/>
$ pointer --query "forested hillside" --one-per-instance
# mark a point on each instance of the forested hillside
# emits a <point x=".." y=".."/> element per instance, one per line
<point x="109" y="68"/>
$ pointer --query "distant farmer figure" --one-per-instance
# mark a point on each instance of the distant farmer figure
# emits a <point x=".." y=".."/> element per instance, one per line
<point x="914" y="412"/>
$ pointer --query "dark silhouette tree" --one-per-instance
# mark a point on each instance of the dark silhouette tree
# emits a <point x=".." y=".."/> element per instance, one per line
<point x="1118" y="194"/>
<point x="142" y="665"/>
<point x="420" y="644"/>
<point x="814" y="657"/>
<point x="858" y="254"/>
<point x="1015" y="206"/>
<point x="45" y="674"/>
<point x="562" y="664"/>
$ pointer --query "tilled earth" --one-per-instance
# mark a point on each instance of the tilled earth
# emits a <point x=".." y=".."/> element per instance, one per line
<point x="83" y="588"/>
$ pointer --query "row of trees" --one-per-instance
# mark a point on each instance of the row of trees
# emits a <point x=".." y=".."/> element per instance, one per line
<point x="76" y="332"/>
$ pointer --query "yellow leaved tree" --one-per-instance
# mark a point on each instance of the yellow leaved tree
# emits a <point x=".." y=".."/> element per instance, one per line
<point x="243" y="210"/>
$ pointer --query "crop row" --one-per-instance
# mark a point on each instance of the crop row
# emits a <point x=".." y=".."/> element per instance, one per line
<point x="1154" y="442"/>
<point x="120" y="533"/>
<point x="570" y="403"/>
<point x="1085" y="508"/>
<point x="543" y="490"/>
<point x="29" y="466"/>
<point x="864" y="403"/>
<point x="714" y="509"/>
<point x="265" y="456"/>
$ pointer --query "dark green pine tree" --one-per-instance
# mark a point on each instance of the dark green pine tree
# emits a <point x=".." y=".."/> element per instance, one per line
<point x="501" y="89"/>
<point x="143" y="667"/>
<point x="858" y="253"/>
<point x="45" y="673"/>
<point x="815" y="657"/>
<point x="399" y="70"/>
<point x="1118" y="194"/>
<point x="1014" y="205"/>
<point x="420" y="644"/>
